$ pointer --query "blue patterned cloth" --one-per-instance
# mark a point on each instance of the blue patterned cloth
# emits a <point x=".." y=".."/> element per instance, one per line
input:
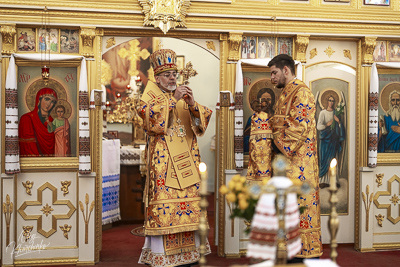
<point x="111" y="172"/>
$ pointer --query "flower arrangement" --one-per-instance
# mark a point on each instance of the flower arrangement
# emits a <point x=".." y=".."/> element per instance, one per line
<point x="241" y="197"/>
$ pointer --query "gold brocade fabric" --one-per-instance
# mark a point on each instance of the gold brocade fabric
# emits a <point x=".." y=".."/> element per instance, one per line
<point x="294" y="130"/>
<point x="179" y="242"/>
<point x="259" y="148"/>
<point x="169" y="210"/>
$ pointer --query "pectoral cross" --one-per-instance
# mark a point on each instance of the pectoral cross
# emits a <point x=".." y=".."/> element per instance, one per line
<point x="187" y="72"/>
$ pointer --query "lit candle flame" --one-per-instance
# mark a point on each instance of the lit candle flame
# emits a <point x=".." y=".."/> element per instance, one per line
<point x="202" y="167"/>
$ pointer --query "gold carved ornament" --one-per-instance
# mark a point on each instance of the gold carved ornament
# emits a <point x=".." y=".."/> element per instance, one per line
<point x="88" y="34"/>
<point x="313" y="53"/>
<point x="65" y="228"/>
<point x="27" y="232"/>
<point x="165" y="14"/>
<point x="367" y="199"/>
<point x="379" y="178"/>
<point x="394" y="199"/>
<point x="368" y="46"/>
<point x="8" y="33"/>
<point x="329" y="51"/>
<point x="234" y="46"/>
<point x="110" y="42"/>
<point x="347" y="53"/>
<point x="8" y="208"/>
<point x="210" y="45"/>
<point x="65" y="186"/>
<point x="379" y="218"/>
<point x="302" y="44"/>
<point x="86" y="215"/>
<point x="28" y="186"/>
<point x="46" y="210"/>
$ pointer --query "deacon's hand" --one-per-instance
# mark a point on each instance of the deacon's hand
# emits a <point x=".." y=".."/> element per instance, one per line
<point x="183" y="91"/>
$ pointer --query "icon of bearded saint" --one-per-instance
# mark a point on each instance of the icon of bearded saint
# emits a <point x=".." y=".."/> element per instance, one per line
<point x="389" y="125"/>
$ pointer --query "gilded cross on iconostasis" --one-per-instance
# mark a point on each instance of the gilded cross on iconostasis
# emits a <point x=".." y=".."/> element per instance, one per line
<point x="187" y="72"/>
<point x="133" y="54"/>
<point x="389" y="195"/>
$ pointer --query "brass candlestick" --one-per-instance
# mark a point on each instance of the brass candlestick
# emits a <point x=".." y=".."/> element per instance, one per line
<point x="333" y="223"/>
<point x="203" y="228"/>
<point x="281" y="253"/>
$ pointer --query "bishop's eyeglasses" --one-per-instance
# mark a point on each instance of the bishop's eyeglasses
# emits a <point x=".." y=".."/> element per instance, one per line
<point x="168" y="74"/>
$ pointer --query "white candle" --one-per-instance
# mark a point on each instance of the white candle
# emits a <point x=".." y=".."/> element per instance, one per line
<point x="332" y="174"/>
<point x="203" y="177"/>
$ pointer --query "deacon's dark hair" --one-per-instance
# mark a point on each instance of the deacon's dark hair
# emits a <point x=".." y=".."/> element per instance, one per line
<point x="281" y="61"/>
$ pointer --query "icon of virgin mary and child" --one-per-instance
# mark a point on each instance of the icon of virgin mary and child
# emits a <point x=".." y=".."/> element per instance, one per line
<point x="42" y="134"/>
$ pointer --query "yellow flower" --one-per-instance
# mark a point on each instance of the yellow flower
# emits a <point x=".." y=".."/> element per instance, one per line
<point x="231" y="197"/>
<point x="243" y="204"/>
<point x="242" y="196"/>
<point x="236" y="178"/>
<point x="223" y="190"/>
<point x="238" y="186"/>
<point x="231" y="185"/>
<point x="242" y="179"/>
<point x="245" y="189"/>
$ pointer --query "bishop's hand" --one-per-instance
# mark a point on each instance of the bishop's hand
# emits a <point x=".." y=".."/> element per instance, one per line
<point x="183" y="91"/>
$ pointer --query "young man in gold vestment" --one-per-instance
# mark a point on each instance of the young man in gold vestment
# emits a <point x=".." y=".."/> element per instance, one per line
<point x="294" y="134"/>
<point x="172" y="120"/>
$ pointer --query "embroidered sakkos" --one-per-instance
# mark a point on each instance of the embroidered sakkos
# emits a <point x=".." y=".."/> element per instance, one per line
<point x="294" y="130"/>
<point x="171" y="210"/>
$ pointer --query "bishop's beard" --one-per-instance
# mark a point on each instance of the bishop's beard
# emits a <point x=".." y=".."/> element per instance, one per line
<point x="171" y="87"/>
<point x="395" y="113"/>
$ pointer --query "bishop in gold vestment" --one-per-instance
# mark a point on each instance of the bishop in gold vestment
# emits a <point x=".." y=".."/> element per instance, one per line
<point x="294" y="133"/>
<point x="172" y="187"/>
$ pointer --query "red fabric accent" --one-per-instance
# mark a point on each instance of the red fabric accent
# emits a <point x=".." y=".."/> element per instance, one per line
<point x="34" y="137"/>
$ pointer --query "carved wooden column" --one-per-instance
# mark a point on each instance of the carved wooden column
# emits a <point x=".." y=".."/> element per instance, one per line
<point x="230" y="54"/>
<point x="91" y="49"/>
<point x="8" y="32"/>
<point x="367" y="46"/>
<point x="234" y="55"/>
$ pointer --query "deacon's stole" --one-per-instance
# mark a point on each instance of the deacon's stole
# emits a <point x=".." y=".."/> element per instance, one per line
<point x="173" y="158"/>
<point x="294" y="131"/>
